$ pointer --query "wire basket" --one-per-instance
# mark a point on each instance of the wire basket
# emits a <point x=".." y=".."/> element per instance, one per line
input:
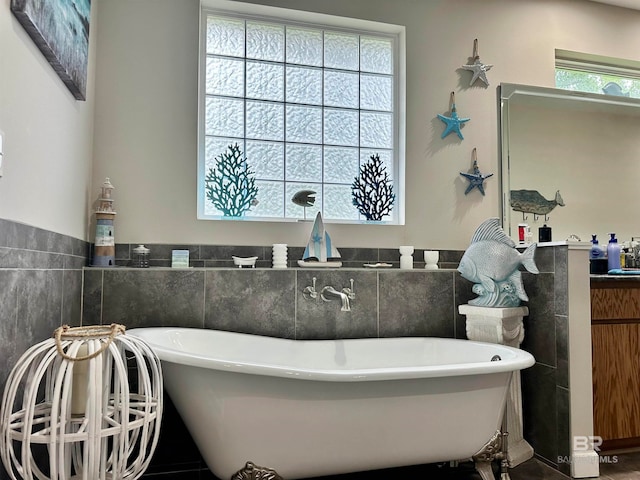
<point x="86" y="404"/>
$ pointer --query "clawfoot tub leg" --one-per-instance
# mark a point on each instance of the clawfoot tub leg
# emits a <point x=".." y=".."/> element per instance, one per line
<point x="251" y="471"/>
<point x="492" y="450"/>
<point x="485" y="470"/>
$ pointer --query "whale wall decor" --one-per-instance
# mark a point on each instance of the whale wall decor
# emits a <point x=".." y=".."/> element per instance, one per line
<point x="532" y="201"/>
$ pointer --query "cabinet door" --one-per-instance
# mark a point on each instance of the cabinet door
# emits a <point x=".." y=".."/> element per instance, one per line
<point x="616" y="304"/>
<point x="616" y="380"/>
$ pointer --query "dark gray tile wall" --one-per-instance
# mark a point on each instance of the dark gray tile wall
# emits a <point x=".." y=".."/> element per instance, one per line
<point x="546" y="385"/>
<point x="388" y="302"/>
<point x="40" y="289"/>
<point x="417" y="303"/>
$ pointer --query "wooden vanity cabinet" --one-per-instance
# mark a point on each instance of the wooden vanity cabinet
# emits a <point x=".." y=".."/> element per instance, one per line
<point x="615" y="336"/>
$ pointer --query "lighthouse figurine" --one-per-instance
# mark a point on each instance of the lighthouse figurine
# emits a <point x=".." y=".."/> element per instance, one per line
<point x="105" y="244"/>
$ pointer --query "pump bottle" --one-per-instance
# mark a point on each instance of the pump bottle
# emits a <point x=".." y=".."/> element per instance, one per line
<point x="596" y="249"/>
<point x="613" y="253"/>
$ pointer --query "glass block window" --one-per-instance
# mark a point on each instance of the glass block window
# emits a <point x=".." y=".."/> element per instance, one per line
<point x="307" y="104"/>
<point x="602" y="76"/>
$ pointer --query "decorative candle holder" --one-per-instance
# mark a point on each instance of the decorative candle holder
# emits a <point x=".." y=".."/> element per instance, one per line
<point x="431" y="258"/>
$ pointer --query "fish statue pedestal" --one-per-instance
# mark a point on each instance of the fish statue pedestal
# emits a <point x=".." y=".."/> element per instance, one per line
<point x="503" y="325"/>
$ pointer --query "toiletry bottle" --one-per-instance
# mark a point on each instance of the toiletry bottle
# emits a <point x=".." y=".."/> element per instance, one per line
<point x="522" y="232"/>
<point x="613" y="253"/>
<point x="596" y="249"/>
<point x="528" y="236"/>
<point x="544" y="234"/>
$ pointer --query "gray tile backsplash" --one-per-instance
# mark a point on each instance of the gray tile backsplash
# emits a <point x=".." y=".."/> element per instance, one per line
<point x="272" y="302"/>
<point x="420" y="303"/>
<point x="250" y="301"/>
<point x="319" y="319"/>
<point x="153" y="297"/>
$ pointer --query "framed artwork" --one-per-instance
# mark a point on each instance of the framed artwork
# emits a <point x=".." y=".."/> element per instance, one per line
<point x="60" y="29"/>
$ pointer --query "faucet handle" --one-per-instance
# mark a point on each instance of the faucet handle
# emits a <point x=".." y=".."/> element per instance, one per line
<point x="349" y="290"/>
<point x="310" y="290"/>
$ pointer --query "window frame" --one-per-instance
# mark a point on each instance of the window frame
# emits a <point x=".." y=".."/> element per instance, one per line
<point x="597" y="65"/>
<point x="284" y="16"/>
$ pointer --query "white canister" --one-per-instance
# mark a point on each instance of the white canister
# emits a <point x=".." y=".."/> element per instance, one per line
<point x="279" y="255"/>
<point x="406" y="257"/>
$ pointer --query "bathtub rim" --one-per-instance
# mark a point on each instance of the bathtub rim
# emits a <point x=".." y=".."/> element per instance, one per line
<point x="520" y="359"/>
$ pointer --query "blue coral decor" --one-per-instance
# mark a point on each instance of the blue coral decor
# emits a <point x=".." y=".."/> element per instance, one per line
<point x="231" y="185"/>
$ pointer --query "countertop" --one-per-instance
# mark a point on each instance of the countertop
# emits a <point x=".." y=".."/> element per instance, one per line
<point x="606" y="278"/>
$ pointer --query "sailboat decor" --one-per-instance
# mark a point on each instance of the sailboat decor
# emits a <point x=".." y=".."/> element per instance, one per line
<point x="320" y="251"/>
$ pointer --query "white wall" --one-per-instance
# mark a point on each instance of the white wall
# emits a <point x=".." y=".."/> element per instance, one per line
<point x="48" y="135"/>
<point x="146" y="109"/>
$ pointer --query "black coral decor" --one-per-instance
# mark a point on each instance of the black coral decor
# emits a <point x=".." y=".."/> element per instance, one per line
<point x="231" y="185"/>
<point x="372" y="190"/>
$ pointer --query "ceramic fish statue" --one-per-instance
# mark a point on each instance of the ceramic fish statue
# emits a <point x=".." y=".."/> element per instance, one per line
<point x="491" y="262"/>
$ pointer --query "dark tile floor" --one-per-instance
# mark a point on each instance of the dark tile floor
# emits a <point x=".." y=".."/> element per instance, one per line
<point x="624" y="466"/>
<point x="619" y="467"/>
<point x="530" y="470"/>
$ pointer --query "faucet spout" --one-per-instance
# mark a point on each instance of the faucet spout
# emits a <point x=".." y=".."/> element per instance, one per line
<point x="343" y="297"/>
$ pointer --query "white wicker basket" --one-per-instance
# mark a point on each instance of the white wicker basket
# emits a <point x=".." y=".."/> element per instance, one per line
<point x="113" y="384"/>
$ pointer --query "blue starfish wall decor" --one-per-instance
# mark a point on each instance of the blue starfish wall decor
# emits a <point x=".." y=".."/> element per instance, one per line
<point x="478" y="68"/>
<point x="476" y="179"/>
<point x="453" y="123"/>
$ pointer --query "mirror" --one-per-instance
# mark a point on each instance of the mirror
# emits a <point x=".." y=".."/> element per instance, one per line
<point x="584" y="146"/>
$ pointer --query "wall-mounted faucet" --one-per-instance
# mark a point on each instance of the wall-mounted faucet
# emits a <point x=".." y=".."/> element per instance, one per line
<point x="346" y="295"/>
<point x="329" y="290"/>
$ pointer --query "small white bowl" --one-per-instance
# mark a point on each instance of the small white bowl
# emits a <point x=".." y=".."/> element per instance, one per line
<point x="245" y="261"/>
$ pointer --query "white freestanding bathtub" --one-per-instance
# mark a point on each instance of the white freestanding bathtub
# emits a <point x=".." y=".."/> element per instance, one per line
<point x="324" y="407"/>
